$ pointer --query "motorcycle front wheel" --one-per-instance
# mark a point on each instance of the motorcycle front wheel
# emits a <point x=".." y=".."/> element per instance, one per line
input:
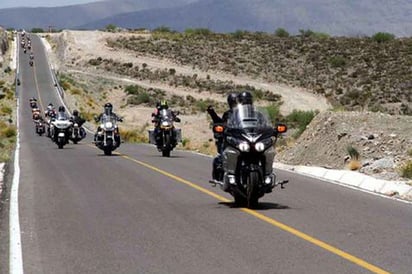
<point x="252" y="187"/>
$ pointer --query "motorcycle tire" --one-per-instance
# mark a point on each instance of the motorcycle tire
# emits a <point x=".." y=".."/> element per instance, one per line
<point x="252" y="185"/>
<point x="166" y="147"/>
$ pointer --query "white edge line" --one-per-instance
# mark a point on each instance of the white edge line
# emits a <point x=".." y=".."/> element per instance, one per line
<point x="16" y="259"/>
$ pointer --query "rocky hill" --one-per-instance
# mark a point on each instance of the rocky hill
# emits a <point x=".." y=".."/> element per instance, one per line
<point x="193" y="70"/>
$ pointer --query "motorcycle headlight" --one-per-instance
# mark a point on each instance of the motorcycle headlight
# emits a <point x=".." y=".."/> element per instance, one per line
<point x="259" y="146"/>
<point x="244" y="147"/>
<point x="165" y="124"/>
<point x="108" y="125"/>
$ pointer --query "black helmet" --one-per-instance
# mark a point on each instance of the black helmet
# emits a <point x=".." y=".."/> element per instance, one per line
<point x="245" y="98"/>
<point x="62" y="109"/>
<point x="232" y="100"/>
<point x="75" y="112"/>
<point x="108" y="107"/>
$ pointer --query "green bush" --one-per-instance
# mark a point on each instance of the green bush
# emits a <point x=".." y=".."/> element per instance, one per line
<point x="141" y="98"/>
<point x="406" y="170"/>
<point x="299" y="119"/>
<point x="353" y="153"/>
<point x="9" y="131"/>
<point x="337" y="61"/>
<point x="280" y="32"/>
<point x="273" y="112"/>
<point x="6" y="110"/>
<point x="381" y="37"/>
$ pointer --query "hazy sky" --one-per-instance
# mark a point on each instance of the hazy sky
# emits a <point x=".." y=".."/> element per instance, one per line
<point x="41" y="3"/>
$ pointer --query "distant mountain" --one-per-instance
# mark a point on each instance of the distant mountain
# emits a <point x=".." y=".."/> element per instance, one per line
<point x="335" y="17"/>
<point x="76" y="15"/>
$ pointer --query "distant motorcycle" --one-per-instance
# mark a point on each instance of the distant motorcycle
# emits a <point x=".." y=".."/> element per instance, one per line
<point x="107" y="136"/>
<point x="40" y="127"/>
<point x="77" y="133"/>
<point x="60" y="131"/>
<point x="247" y="159"/>
<point x="166" y="136"/>
<point x="31" y="63"/>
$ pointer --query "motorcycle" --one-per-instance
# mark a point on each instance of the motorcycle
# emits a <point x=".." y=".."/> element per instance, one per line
<point x="246" y="169"/>
<point x="77" y="133"/>
<point x="31" y="63"/>
<point x="60" y="130"/>
<point x="107" y="136"/>
<point x="166" y="136"/>
<point x="40" y="127"/>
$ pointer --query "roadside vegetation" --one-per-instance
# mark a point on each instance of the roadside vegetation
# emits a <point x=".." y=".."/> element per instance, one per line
<point x="8" y="131"/>
<point x="356" y="73"/>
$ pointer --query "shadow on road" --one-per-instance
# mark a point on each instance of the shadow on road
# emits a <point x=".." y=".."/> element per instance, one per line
<point x="260" y="206"/>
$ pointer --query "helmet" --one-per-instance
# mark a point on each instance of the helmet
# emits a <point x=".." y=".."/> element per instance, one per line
<point x="245" y="98"/>
<point x="108" y="107"/>
<point x="232" y="100"/>
<point x="62" y="109"/>
<point x="75" y="112"/>
<point x="163" y="104"/>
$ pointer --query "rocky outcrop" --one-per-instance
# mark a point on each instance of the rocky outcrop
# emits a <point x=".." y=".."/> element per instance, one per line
<point x="383" y="142"/>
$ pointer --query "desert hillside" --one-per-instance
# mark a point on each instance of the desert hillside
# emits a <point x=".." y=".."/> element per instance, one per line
<point x="305" y="74"/>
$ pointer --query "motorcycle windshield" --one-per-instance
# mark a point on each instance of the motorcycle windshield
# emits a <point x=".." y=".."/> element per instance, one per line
<point x="108" y="121"/>
<point x="166" y="117"/>
<point x="248" y="118"/>
<point x="61" y="116"/>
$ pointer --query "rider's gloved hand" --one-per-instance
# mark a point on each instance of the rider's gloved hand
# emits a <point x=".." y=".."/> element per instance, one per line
<point x="210" y="109"/>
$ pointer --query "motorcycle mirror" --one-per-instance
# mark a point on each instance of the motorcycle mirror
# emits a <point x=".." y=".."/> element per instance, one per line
<point x="218" y="129"/>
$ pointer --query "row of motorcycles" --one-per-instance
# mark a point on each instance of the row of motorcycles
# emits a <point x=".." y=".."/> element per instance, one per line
<point x="245" y="166"/>
<point x="57" y="126"/>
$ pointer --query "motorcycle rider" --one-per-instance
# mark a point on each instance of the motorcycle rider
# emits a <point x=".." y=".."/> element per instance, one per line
<point x="33" y="102"/>
<point x="50" y="111"/>
<point x="77" y="119"/>
<point x="156" y="118"/>
<point x="217" y="161"/>
<point x="61" y="115"/>
<point x="108" y="111"/>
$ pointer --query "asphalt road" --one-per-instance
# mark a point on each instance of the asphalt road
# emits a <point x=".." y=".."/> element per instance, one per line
<point x="137" y="212"/>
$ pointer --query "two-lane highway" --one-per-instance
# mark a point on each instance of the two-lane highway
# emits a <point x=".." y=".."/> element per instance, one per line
<point x="138" y="212"/>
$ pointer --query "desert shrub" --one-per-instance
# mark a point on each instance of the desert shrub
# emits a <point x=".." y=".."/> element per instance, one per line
<point x="381" y="37"/>
<point x="406" y="170"/>
<point x="8" y="131"/>
<point x="280" y="32"/>
<point x="111" y="28"/>
<point x="163" y="29"/>
<point x="133" y="90"/>
<point x="141" y="98"/>
<point x="7" y="70"/>
<point x="185" y="142"/>
<point x="6" y="110"/>
<point x="354" y="163"/>
<point x="300" y="119"/>
<point x="337" y="61"/>
<point x="273" y="112"/>
<point x="133" y="136"/>
<point x="353" y="152"/>
<point x="95" y="62"/>
<point x="76" y="91"/>
<point x="37" y="30"/>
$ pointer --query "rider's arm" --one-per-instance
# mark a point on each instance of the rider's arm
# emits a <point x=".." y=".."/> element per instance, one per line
<point x="213" y="115"/>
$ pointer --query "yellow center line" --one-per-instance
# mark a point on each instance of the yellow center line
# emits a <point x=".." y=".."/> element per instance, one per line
<point x="268" y="220"/>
